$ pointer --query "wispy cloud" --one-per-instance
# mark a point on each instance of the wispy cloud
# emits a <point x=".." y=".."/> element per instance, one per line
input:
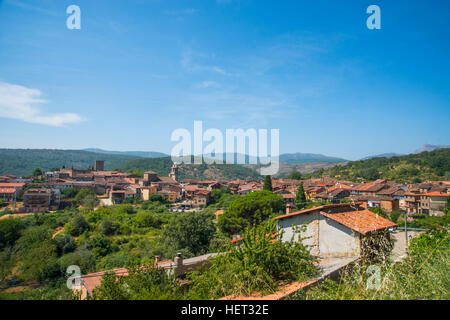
<point x="19" y="102"/>
<point x="207" y="84"/>
<point x="184" y="12"/>
<point x="194" y="62"/>
<point x="31" y="7"/>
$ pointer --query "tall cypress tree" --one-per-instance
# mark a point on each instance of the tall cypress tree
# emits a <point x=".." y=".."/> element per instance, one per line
<point x="300" y="197"/>
<point x="268" y="183"/>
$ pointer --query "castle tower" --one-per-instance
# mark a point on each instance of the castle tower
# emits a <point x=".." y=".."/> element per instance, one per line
<point x="99" y="165"/>
<point x="174" y="172"/>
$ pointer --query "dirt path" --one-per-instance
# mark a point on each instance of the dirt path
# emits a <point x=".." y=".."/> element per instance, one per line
<point x="15" y="216"/>
<point x="57" y="231"/>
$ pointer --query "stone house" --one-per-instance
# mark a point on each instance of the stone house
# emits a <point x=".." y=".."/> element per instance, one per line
<point x="335" y="230"/>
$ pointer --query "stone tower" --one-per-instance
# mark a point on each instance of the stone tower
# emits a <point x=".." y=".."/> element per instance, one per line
<point x="174" y="172"/>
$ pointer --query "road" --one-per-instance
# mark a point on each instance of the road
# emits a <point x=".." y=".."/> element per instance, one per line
<point x="398" y="252"/>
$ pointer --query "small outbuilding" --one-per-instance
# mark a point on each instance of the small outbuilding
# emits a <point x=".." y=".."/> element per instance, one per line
<point x="335" y="230"/>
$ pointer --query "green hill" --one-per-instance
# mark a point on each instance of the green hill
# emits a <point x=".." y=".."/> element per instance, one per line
<point x="210" y="172"/>
<point x="22" y="162"/>
<point x="413" y="168"/>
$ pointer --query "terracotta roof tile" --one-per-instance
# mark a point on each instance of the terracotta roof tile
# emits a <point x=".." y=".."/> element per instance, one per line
<point x="364" y="221"/>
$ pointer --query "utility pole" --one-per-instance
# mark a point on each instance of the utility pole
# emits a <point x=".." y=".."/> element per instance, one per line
<point x="14" y="207"/>
<point x="406" y="233"/>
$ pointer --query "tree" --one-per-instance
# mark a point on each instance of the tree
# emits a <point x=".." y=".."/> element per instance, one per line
<point x="268" y="183"/>
<point x="249" y="210"/>
<point x="77" y="225"/>
<point x="191" y="231"/>
<point x="99" y="245"/>
<point x="147" y="219"/>
<point x="64" y="244"/>
<point x="295" y="175"/>
<point x="9" y="232"/>
<point x="86" y="198"/>
<point x="68" y="193"/>
<point x="108" y="227"/>
<point x="300" y="197"/>
<point x="37" y="172"/>
<point x="257" y="264"/>
<point x="142" y="283"/>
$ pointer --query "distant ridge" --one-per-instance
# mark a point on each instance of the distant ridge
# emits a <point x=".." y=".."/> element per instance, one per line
<point x="143" y="154"/>
<point x="308" y="158"/>
<point x="431" y="147"/>
<point x="383" y="155"/>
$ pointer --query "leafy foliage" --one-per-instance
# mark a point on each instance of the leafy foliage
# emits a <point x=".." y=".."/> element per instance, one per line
<point x="249" y="210"/>
<point x="142" y="283"/>
<point x="413" y="168"/>
<point x="191" y="232"/>
<point x="259" y="261"/>
<point x="300" y="197"/>
<point x="22" y="162"/>
<point x="422" y="275"/>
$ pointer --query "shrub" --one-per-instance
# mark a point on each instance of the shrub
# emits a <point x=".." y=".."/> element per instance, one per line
<point x="77" y="225"/>
<point x="255" y="265"/>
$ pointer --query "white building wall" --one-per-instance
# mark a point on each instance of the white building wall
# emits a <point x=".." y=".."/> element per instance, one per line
<point x="325" y="237"/>
<point x="310" y="233"/>
<point x="336" y="240"/>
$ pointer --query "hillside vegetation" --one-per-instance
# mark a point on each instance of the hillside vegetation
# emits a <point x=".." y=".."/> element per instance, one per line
<point x="22" y="162"/>
<point x="210" y="172"/>
<point x="413" y="168"/>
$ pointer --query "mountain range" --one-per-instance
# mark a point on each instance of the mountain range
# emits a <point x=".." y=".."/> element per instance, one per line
<point x="425" y="147"/>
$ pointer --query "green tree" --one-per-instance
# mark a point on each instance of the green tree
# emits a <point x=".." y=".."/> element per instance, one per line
<point x="9" y="232"/>
<point x="64" y="244"/>
<point x="251" y="209"/>
<point x="191" y="231"/>
<point x="68" y="193"/>
<point x="295" y="175"/>
<point x="256" y="264"/>
<point x="85" y="197"/>
<point x="268" y="183"/>
<point x="77" y="225"/>
<point x="37" y="172"/>
<point x="146" y="219"/>
<point x="142" y="283"/>
<point x="300" y="197"/>
<point x="99" y="245"/>
<point x="109" y="227"/>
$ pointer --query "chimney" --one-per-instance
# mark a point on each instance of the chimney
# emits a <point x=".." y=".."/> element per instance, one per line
<point x="178" y="260"/>
<point x="156" y="261"/>
<point x="289" y="208"/>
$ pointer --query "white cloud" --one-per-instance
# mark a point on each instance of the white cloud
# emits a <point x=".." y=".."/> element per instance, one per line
<point x="30" y="7"/>
<point x="207" y="84"/>
<point x="18" y="102"/>
<point x="189" y="62"/>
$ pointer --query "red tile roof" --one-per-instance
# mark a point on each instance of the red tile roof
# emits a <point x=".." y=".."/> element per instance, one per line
<point x="363" y="221"/>
<point x="12" y="185"/>
<point x="328" y="206"/>
<point x="7" y="190"/>
<point x="436" y="194"/>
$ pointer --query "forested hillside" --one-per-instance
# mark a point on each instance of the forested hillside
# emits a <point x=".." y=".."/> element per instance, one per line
<point x="22" y="162"/>
<point x="162" y="167"/>
<point x="413" y="168"/>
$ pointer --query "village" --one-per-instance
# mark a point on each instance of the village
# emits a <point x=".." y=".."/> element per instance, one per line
<point x="338" y="225"/>
<point x="25" y="195"/>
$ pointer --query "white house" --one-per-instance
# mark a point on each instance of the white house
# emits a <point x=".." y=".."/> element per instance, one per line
<point x="334" y="230"/>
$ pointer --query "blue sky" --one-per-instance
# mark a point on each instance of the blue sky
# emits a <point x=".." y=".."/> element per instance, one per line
<point x="137" y="70"/>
